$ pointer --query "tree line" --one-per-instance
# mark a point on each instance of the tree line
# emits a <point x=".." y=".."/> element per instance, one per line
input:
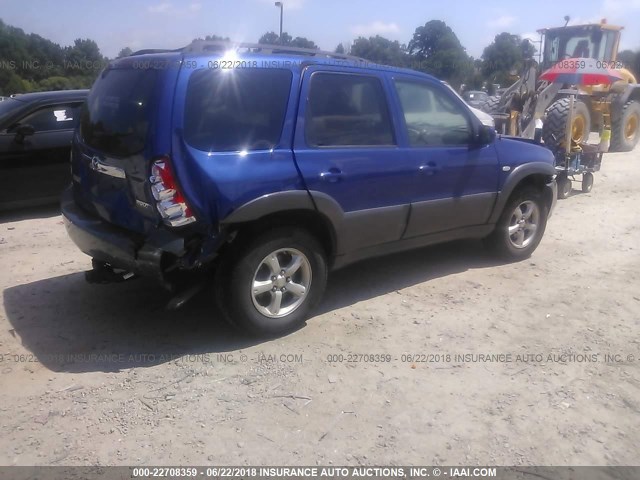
<point x="29" y="62"/>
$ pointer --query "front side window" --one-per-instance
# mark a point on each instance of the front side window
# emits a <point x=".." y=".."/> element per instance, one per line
<point x="236" y="110"/>
<point x="56" y="117"/>
<point x="347" y="110"/>
<point x="432" y="118"/>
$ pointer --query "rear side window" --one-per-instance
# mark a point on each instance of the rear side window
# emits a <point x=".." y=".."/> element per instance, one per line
<point x="347" y="110"/>
<point x="115" y="118"/>
<point x="236" y="110"/>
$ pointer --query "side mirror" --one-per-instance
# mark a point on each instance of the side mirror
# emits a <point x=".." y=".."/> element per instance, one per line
<point x="486" y="135"/>
<point x="23" y="131"/>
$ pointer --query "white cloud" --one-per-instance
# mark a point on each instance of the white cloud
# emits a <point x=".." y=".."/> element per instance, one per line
<point x="159" y="8"/>
<point x="375" y="28"/>
<point x="503" y="21"/>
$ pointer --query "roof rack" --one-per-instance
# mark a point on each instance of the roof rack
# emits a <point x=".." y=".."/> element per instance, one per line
<point x="202" y="46"/>
<point x="154" y="50"/>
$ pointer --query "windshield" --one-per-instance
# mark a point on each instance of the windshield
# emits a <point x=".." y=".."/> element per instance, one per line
<point x="9" y="105"/>
<point x="583" y="42"/>
<point x="115" y="118"/>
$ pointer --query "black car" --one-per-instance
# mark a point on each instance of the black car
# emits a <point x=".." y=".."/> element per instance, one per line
<point x="35" y="141"/>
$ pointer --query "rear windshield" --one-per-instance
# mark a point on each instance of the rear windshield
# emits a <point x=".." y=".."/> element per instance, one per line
<point x="235" y="110"/>
<point x="115" y="118"/>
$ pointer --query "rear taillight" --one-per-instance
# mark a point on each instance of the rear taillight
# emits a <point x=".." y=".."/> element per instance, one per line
<point x="169" y="200"/>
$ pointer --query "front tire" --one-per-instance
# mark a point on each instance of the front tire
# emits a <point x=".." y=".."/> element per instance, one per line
<point x="554" y="129"/>
<point x="521" y="225"/>
<point x="274" y="282"/>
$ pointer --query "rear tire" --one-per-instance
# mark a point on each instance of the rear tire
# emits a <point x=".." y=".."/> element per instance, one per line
<point x="555" y="125"/>
<point x="625" y="128"/>
<point x="521" y="225"/>
<point x="242" y="290"/>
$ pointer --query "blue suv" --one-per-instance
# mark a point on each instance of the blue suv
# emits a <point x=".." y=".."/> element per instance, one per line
<point x="260" y="168"/>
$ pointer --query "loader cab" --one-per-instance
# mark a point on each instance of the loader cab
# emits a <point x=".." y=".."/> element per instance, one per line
<point x="598" y="41"/>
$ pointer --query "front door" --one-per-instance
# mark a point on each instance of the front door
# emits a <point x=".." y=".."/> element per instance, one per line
<point x="457" y="179"/>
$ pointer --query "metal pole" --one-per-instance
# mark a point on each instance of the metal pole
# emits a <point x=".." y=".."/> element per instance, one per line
<point x="569" y="130"/>
<point x="281" y="5"/>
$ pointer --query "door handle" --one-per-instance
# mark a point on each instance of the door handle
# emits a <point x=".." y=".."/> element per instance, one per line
<point x="332" y="175"/>
<point x="430" y="168"/>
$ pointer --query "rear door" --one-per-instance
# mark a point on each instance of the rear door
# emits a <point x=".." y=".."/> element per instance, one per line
<point x="124" y="125"/>
<point x="347" y="151"/>
<point x="458" y="180"/>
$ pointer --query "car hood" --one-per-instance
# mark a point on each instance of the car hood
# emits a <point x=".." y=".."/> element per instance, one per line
<point x="484" y="117"/>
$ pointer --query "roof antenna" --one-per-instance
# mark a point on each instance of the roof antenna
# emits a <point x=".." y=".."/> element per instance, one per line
<point x="566" y="20"/>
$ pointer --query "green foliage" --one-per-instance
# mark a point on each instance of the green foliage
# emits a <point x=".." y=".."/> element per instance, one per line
<point x="631" y="61"/>
<point x="272" y="38"/>
<point x="55" y="83"/>
<point x="302" y="42"/>
<point x="438" y="51"/>
<point x="503" y="59"/>
<point x="381" y="50"/>
<point x="340" y="49"/>
<point x="30" y="62"/>
<point x="125" y="52"/>
<point x="269" y="38"/>
<point x="217" y="38"/>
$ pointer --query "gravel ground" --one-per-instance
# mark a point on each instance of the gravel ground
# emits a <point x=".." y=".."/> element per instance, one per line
<point x="478" y="362"/>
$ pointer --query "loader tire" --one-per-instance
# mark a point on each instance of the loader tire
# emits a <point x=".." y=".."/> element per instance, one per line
<point x="490" y="105"/>
<point x="625" y="128"/>
<point x="555" y="124"/>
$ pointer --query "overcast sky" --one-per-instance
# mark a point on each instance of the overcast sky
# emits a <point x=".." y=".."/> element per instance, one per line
<point x="115" y="24"/>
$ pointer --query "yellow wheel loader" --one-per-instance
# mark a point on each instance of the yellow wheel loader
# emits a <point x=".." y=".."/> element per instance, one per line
<point x="601" y="108"/>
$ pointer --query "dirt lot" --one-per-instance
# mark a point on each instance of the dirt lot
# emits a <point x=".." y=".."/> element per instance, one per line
<point x="103" y="375"/>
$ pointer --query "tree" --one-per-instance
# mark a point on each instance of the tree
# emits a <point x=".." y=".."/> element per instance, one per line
<point x="83" y="58"/>
<point x="217" y="38"/>
<point x="125" y="52"/>
<point x="340" y="49"/>
<point x="438" y="51"/>
<point x="272" y="38"/>
<point x="269" y="38"/>
<point x="503" y="59"/>
<point x="302" y="42"/>
<point x="55" y="83"/>
<point x="11" y="83"/>
<point x="630" y="60"/>
<point x="528" y="49"/>
<point x="31" y="62"/>
<point x="381" y="50"/>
